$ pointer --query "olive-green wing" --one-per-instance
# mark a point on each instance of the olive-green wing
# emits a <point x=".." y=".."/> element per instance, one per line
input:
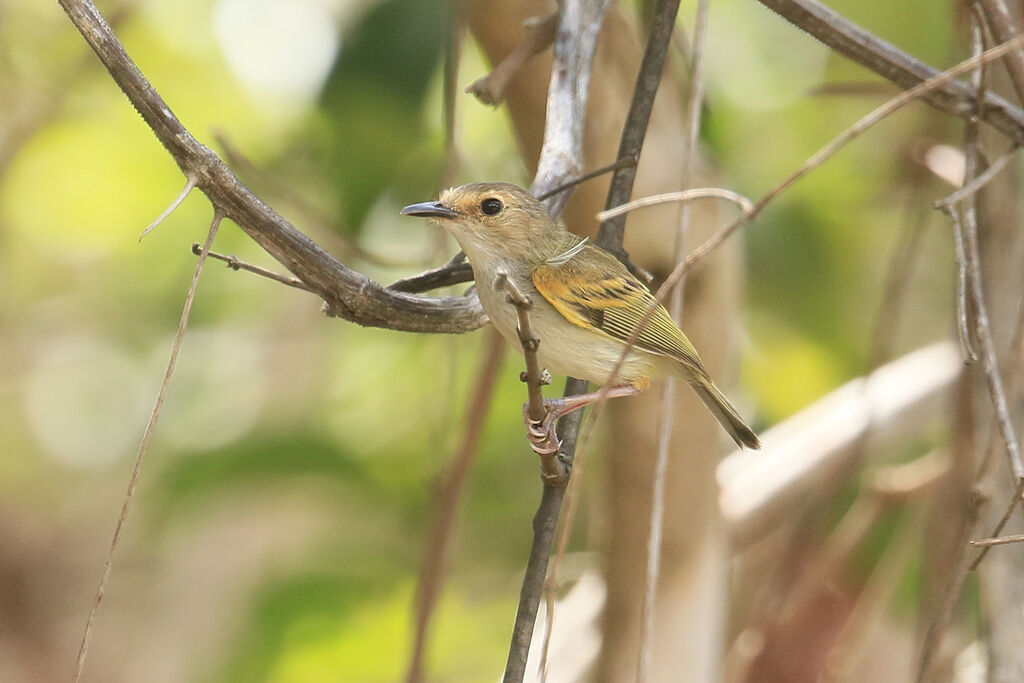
<point x="594" y="290"/>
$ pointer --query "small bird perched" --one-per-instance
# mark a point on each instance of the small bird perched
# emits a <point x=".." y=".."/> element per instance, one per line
<point x="586" y="304"/>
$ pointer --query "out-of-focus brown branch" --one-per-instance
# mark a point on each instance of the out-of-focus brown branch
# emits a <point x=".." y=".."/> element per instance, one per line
<point x="540" y="34"/>
<point x="829" y="150"/>
<point x="611" y="233"/>
<point x="998" y="19"/>
<point x="891" y="63"/>
<point x="349" y="295"/>
<point x="435" y="555"/>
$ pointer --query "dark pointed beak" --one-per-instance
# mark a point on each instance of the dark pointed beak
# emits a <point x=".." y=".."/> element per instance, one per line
<point x="429" y="210"/>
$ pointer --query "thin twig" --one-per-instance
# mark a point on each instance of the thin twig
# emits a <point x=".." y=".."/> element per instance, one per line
<point x="889" y="62"/>
<point x="981" y="180"/>
<point x="1001" y="540"/>
<point x="190" y="183"/>
<point x="610" y="237"/>
<point x="540" y="33"/>
<point x="621" y="163"/>
<point x="435" y="554"/>
<point x="837" y="143"/>
<point x="143" y="447"/>
<point x="684" y="196"/>
<point x="235" y="263"/>
<point x="962" y="286"/>
<point x="1004" y="28"/>
<point x="937" y="627"/>
<point x="960" y="569"/>
<point x="610" y="234"/>
<point x="695" y="101"/>
<point x="982" y="327"/>
<point x="1017" y="351"/>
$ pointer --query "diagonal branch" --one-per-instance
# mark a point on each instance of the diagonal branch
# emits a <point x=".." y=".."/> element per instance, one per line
<point x="889" y="62"/>
<point x="349" y="295"/>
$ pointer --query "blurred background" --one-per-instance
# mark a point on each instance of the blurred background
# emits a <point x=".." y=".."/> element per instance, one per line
<point x="287" y="498"/>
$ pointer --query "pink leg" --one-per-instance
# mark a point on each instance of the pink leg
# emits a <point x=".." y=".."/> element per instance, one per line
<point x="542" y="434"/>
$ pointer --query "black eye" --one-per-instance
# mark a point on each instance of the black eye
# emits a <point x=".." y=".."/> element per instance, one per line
<point x="491" y="206"/>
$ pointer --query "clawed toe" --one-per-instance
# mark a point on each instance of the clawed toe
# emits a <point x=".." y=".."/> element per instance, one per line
<point x="541" y="434"/>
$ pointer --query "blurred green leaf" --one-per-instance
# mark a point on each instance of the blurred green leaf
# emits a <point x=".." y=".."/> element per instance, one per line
<point x="374" y="98"/>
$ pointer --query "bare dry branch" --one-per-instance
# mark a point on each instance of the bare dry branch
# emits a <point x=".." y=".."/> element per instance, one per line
<point x="997" y="16"/>
<point x="826" y="152"/>
<point x="891" y="63"/>
<point x="147" y="436"/>
<point x="981" y="180"/>
<point x="540" y="33"/>
<point x="1000" y="540"/>
<point x="610" y="234"/>
<point x="349" y="295"/>
<point x="695" y="100"/>
<point x="684" y="196"/>
<point x="561" y="159"/>
<point x="234" y="263"/>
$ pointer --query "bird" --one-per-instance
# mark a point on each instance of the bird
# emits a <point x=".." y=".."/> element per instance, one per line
<point x="585" y="304"/>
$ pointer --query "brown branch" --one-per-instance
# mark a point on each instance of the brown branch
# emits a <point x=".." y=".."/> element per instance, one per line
<point x="610" y="234"/>
<point x="234" y="263"/>
<point x="324" y="225"/>
<point x="963" y="329"/>
<point x="349" y="295"/>
<point x="540" y="34"/>
<point x="561" y="159"/>
<point x="446" y="503"/>
<point x="999" y="21"/>
<point x="454" y="272"/>
<point x="891" y="63"/>
<point x="597" y="172"/>
<point x="1001" y="540"/>
<point x="147" y="436"/>
<point x="830" y="149"/>
<point x="982" y="328"/>
<point x="554" y="470"/>
<point x="980" y="181"/>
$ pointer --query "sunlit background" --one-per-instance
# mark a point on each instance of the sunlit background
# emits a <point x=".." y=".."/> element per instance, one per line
<point x="283" y="507"/>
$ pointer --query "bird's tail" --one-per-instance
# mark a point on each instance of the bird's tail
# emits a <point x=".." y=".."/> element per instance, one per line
<point x="723" y="411"/>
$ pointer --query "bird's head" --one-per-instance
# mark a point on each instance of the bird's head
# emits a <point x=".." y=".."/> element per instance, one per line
<point x="493" y="220"/>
